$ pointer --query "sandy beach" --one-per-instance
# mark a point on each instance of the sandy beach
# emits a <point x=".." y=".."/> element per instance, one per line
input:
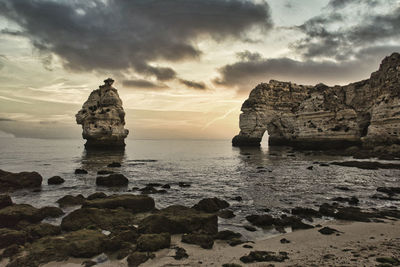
<point x="356" y="244"/>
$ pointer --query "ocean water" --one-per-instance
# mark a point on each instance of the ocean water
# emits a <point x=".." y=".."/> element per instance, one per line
<point x="273" y="178"/>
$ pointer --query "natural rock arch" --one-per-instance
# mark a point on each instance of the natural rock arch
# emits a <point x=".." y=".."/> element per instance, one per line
<point x="318" y="117"/>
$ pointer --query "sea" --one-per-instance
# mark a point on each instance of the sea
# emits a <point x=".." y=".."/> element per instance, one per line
<point x="268" y="179"/>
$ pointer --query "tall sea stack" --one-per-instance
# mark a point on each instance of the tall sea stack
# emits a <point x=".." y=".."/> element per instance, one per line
<point x="364" y="113"/>
<point x="103" y="118"/>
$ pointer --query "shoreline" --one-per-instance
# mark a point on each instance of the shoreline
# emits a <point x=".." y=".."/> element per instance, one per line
<point x="359" y="244"/>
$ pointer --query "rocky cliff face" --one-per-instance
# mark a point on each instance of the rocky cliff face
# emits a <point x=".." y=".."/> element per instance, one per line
<point x="103" y="118"/>
<point x="315" y="117"/>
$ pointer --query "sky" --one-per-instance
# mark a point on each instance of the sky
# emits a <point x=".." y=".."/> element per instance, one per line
<point x="182" y="67"/>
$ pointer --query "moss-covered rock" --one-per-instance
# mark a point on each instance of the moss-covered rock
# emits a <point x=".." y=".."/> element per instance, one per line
<point x="83" y="243"/>
<point x="153" y="242"/>
<point x="12" y="215"/>
<point x="10" y="237"/>
<point x="37" y="231"/>
<point x="132" y="202"/>
<point x="52" y="212"/>
<point x="69" y="200"/>
<point x="12" y="181"/>
<point x="96" y="196"/>
<point x="203" y="240"/>
<point x="263" y="256"/>
<point x="137" y="258"/>
<point x="179" y="219"/>
<point x="211" y="205"/>
<point x="227" y="235"/>
<point x="106" y="219"/>
<point x="5" y="201"/>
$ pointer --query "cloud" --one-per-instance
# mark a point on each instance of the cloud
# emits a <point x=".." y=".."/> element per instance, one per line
<point x="193" y="84"/>
<point x="252" y="69"/>
<point x="340" y="36"/>
<point x="119" y="35"/>
<point x="143" y="84"/>
<point x="5" y="119"/>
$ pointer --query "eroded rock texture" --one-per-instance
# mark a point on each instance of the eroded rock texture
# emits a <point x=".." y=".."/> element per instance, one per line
<point x="103" y="118"/>
<point x="317" y="117"/>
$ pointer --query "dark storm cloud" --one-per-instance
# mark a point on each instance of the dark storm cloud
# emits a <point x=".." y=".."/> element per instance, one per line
<point x="343" y="3"/>
<point x="253" y="69"/>
<point x="143" y="84"/>
<point x="121" y="34"/>
<point x="193" y="84"/>
<point x="322" y="39"/>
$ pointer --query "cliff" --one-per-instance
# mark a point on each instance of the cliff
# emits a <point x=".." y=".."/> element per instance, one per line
<point x="320" y="117"/>
<point x="103" y="118"/>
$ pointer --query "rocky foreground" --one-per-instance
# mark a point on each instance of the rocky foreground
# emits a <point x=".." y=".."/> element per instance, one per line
<point x="128" y="230"/>
<point x="365" y="113"/>
<point x="103" y="118"/>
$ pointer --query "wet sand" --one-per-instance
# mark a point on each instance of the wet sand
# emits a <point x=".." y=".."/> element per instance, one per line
<point x="358" y="244"/>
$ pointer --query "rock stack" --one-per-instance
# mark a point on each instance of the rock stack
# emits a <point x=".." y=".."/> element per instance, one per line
<point x="315" y="117"/>
<point x="103" y="118"/>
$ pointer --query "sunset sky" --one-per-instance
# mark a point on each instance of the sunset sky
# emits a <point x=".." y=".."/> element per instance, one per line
<point x="182" y="67"/>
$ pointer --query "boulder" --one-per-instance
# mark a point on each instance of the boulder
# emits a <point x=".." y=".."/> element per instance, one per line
<point x="80" y="244"/>
<point x="52" y="212"/>
<point x="69" y="200"/>
<point x="226" y="214"/>
<point x="114" y="165"/>
<point x="12" y="215"/>
<point x="178" y="219"/>
<point x="115" y="179"/>
<point x="40" y="230"/>
<point x="261" y="220"/>
<point x="203" y="240"/>
<point x="137" y="258"/>
<point x="180" y="253"/>
<point x="211" y="205"/>
<point x="10" y="237"/>
<point x="103" y="118"/>
<point x="5" y="201"/>
<point x="132" y="202"/>
<point x="96" y="196"/>
<point x="153" y="242"/>
<point x="227" y="235"/>
<point x="13" y="181"/>
<point x="264" y="256"/>
<point x="105" y="219"/>
<point x="55" y="180"/>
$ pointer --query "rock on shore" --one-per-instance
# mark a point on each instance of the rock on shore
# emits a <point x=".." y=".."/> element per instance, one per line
<point x="103" y="118"/>
<point x="317" y="117"/>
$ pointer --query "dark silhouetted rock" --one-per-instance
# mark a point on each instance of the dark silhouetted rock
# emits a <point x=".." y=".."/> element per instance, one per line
<point x="105" y="219"/>
<point x="179" y="219"/>
<point x="211" y="205"/>
<point x="250" y="228"/>
<point x="203" y="240"/>
<point x="10" y="216"/>
<point x="112" y="180"/>
<point x="153" y="242"/>
<point x="69" y="200"/>
<point x="183" y="184"/>
<point x="284" y="241"/>
<point x="10" y="237"/>
<point x="50" y="212"/>
<point x="180" y="253"/>
<point x="55" y="180"/>
<point x="137" y="258"/>
<point x="389" y="190"/>
<point x="227" y="235"/>
<point x="264" y="256"/>
<point x="327" y="231"/>
<point x="13" y="181"/>
<point x="226" y="214"/>
<point x="96" y="196"/>
<point x="261" y="220"/>
<point x="5" y="201"/>
<point x="132" y="202"/>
